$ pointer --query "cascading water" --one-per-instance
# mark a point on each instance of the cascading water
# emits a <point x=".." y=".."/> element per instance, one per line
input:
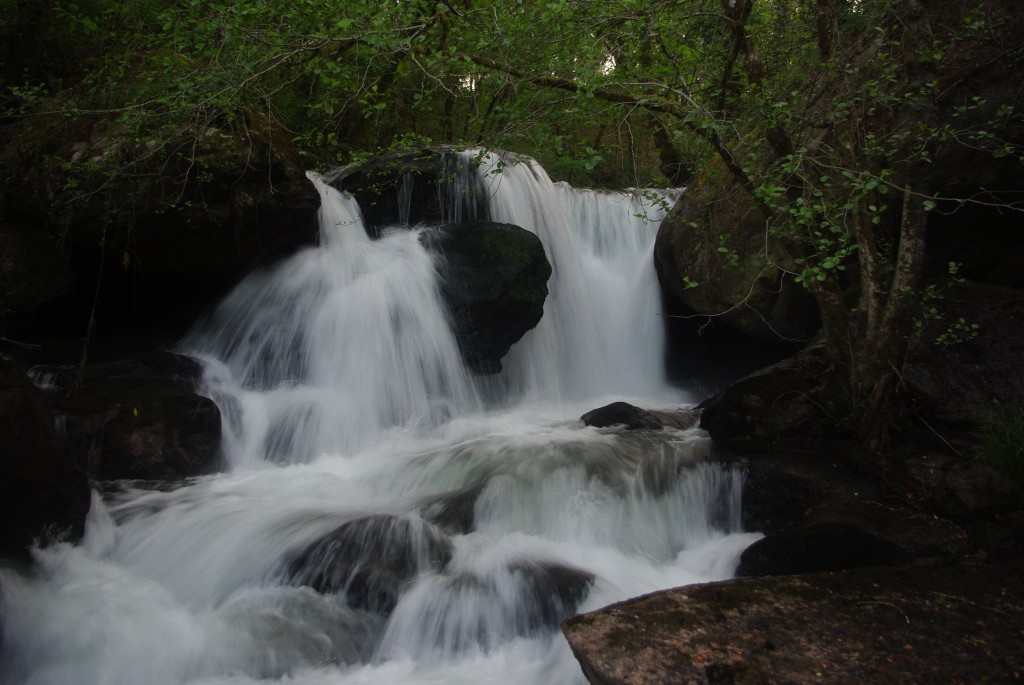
<point x="601" y="333"/>
<point x="378" y="523"/>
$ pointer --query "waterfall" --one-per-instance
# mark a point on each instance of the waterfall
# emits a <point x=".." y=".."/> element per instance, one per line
<point x="601" y="333"/>
<point x="380" y="522"/>
<point x="333" y="347"/>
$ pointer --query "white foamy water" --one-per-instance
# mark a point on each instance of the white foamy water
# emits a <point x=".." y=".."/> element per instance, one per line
<point x="378" y="523"/>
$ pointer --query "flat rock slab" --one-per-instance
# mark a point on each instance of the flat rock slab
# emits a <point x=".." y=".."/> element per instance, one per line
<point x="961" y="624"/>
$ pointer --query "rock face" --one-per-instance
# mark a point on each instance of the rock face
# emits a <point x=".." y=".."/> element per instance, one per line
<point x="774" y="409"/>
<point x="494" y="283"/>
<point x="154" y="254"/>
<point x="44" y="493"/>
<point x="141" y="419"/>
<point x="882" y="625"/>
<point x="715" y="238"/>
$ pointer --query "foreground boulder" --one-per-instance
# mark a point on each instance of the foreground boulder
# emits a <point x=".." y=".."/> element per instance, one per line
<point x="140" y="419"/>
<point x="494" y="283"/>
<point x="44" y="493"/>
<point x="880" y="625"/>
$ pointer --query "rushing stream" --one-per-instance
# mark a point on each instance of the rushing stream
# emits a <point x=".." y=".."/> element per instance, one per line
<point x="387" y="517"/>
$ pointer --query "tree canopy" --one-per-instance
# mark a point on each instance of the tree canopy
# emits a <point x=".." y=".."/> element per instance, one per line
<point x="833" y="116"/>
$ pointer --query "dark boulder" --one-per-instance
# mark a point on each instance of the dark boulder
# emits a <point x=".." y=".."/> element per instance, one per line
<point x="851" y="530"/>
<point x="824" y="546"/>
<point x="141" y="419"/>
<point x="44" y="494"/>
<point x="621" y="414"/>
<point x="370" y="560"/>
<point x="783" y="407"/>
<point x="779" y="490"/>
<point x="822" y="514"/>
<point x="494" y="282"/>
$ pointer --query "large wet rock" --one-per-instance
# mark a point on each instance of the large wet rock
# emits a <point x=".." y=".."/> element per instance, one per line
<point x="880" y="625"/>
<point x="621" y="414"/>
<point x="44" y="493"/>
<point x="370" y="559"/>
<point x="139" y="419"/>
<point x="494" y="282"/>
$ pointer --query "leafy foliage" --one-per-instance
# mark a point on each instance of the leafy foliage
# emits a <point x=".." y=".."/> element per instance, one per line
<point x="830" y="114"/>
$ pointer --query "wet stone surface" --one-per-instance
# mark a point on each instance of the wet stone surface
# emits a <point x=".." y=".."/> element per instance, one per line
<point x="878" y="625"/>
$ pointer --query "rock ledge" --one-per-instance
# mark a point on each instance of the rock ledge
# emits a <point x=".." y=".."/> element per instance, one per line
<point x="878" y="625"/>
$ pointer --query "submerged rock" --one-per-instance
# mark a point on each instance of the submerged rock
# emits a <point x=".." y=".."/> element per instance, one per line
<point x="470" y="610"/>
<point x="621" y="414"/>
<point x="494" y="282"/>
<point x="453" y="512"/>
<point x="44" y="493"/>
<point x="370" y="560"/>
<point x="550" y="592"/>
<point x="881" y="625"/>
<point x="282" y="630"/>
